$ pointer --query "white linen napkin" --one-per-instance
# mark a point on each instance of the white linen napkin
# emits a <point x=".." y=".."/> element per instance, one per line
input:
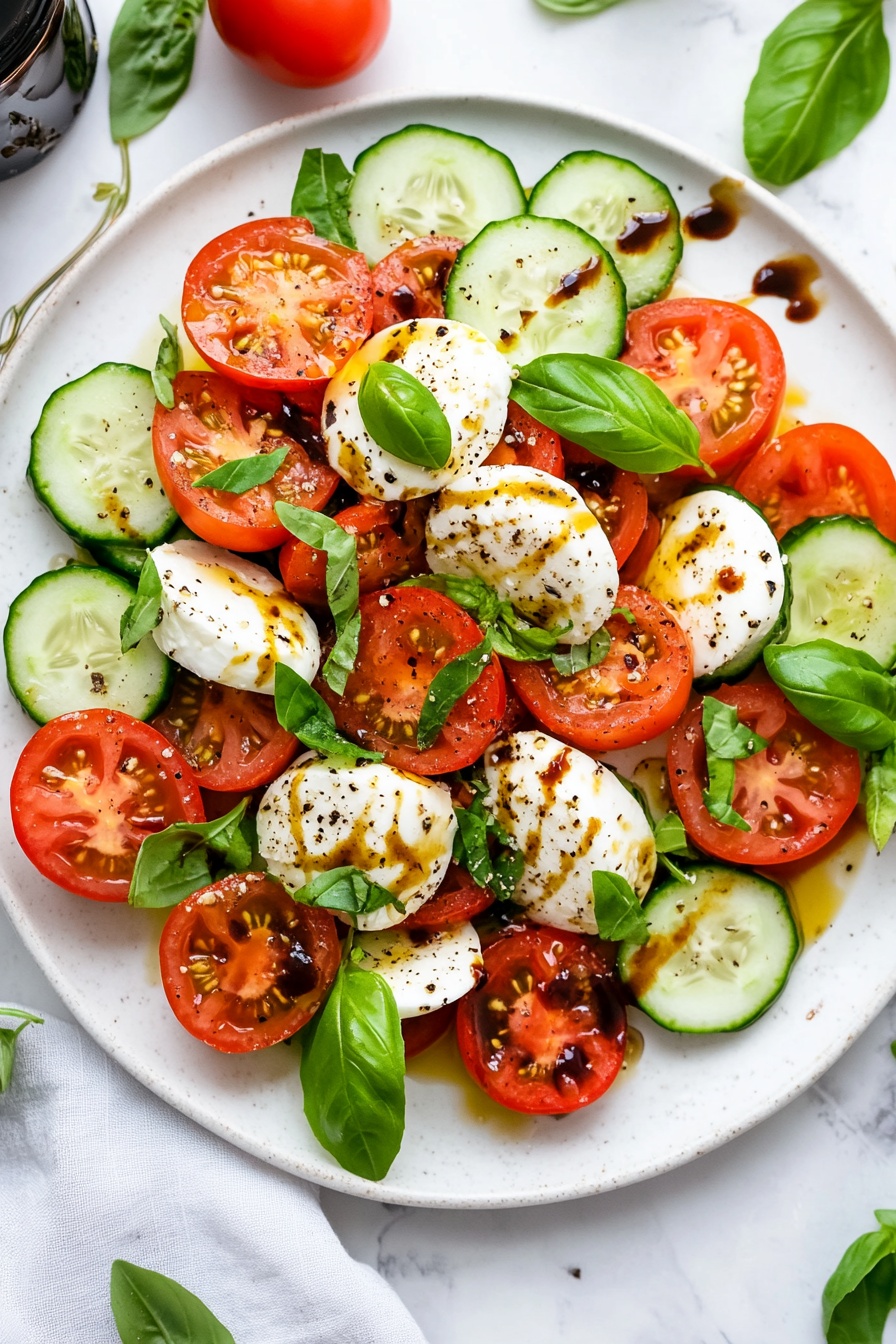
<point x="93" y="1167"/>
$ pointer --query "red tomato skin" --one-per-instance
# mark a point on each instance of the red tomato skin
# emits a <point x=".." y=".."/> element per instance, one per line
<point x="399" y="290"/>
<point x="617" y="498"/>
<point x="421" y="1032"/>
<point x="458" y="898"/>
<point x="533" y="444"/>
<point x="635" y="566"/>
<point x="41" y="827"/>
<point x="303" y="43"/>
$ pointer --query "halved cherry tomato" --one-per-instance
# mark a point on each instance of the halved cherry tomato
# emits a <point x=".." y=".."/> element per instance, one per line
<point x="457" y="899"/>
<point x="527" y="443"/>
<point x="421" y="1032"/>
<point x="517" y="718"/>
<point x="391" y="542"/>
<point x="635" y="566"/>
<point x="795" y="795"/>
<point x="215" y="421"/>
<point x="814" y="471"/>
<point x="718" y="362"/>
<point x="271" y="305"/>
<point x="87" y="791"/>
<point x="230" y="739"/>
<point x="617" y="498"/>
<point x="545" y="1031"/>
<point x="407" y="636"/>
<point x="244" y="965"/>
<point x="636" y="693"/>
<point x="410" y="280"/>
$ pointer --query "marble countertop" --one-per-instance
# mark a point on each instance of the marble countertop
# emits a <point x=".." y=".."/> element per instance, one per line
<point x="735" y="1248"/>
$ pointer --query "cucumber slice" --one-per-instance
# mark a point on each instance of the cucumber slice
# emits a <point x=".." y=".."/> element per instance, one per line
<point x="719" y="953"/>
<point x="538" y="286"/>
<point x="92" y="462"/>
<point x="129" y="559"/>
<point x="428" y="180"/>
<point x="63" y="648"/>
<point x="843" y="573"/>
<point x="630" y="212"/>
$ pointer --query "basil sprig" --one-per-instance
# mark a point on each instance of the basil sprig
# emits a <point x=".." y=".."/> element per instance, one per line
<point x="484" y="848"/>
<point x="150" y="1308"/>
<point x="448" y="685"/>
<point x="9" y="1039"/>
<point x="321" y="195"/>
<point x="727" y="740"/>
<point x="616" y="412"/>
<point x="880" y="795"/>
<point x="177" y="861"/>
<point x="305" y="714"/>
<point x="861" y="1291"/>
<point x="512" y="635"/>
<point x="168" y="364"/>
<point x="346" y="889"/>
<point x="823" y="74"/>
<point x="403" y="417"/>
<point x="843" y="691"/>
<point x="577" y="8"/>
<point x="144" y="611"/>
<point x="151" y="54"/>
<point x="245" y="473"/>
<point x="353" y="1072"/>
<point x="617" y="909"/>
<point x="339" y="546"/>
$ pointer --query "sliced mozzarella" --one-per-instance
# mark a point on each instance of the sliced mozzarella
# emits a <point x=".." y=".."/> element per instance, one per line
<point x="465" y="374"/>
<point x="425" y="969"/>
<point x="533" y="538"/>
<point x="229" y="620"/>
<point x="570" y="816"/>
<point x="719" y="569"/>
<point x="396" y="828"/>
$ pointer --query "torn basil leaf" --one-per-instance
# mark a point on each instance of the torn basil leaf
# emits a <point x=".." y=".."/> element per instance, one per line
<point x="301" y="711"/>
<point x="144" y="612"/>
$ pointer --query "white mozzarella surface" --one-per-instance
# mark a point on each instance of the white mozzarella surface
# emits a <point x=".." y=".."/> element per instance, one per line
<point x="426" y="971"/>
<point x="229" y="620"/>
<point x="533" y="538"/>
<point x="468" y="378"/>
<point x="395" y="827"/>
<point x="718" y="569"/>
<point x="569" y="815"/>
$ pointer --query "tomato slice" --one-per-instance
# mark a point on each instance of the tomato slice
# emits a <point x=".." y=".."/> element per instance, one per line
<point x="527" y="443"/>
<point x="544" y="1033"/>
<point x="215" y="421"/>
<point x="410" y="280"/>
<point x="87" y="791"/>
<point x="635" y="566"/>
<point x="421" y="1032"/>
<point x="244" y="965"/>
<point x="636" y="693"/>
<point x="795" y="795"/>
<point x="230" y="739"/>
<point x="273" y="306"/>
<point x="457" y="899"/>
<point x="617" y="498"/>
<point x="407" y="636"/>
<point x="391" y="542"/>
<point x="718" y="362"/>
<point x="815" y="471"/>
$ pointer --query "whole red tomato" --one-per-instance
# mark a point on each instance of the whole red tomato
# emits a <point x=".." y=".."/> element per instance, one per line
<point x="305" y="43"/>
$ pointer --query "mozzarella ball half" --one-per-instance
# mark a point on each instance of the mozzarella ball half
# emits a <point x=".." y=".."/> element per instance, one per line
<point x="718" y="568"/>
<point x="424" y="975"/>
<point x="569" y="816"/>
<point x="395" y="827"/>
<point x="229" y="620"/>
<point x="465" y="374"/>
<point x="533" y="538"/>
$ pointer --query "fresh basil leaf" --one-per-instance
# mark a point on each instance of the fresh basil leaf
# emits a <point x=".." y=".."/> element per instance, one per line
<point x="717" y="799"/>
<point x="353" y="1073"/>
<point x="514" y="637"/>
<point x="616" y="412"/>
<point x="880" y="796"/>
<point x="341" y="662"/>
<point x="447" y="686"/>
<point x="727" y="740"/>
<point x="347" y="889"/>
<point x="150" y="1308"/>
<point x="617" y="909"/>
<point x="321" y="195"/>
<point x="823" y="74"/>
<point x="626" y="612"/>
<point x="498" y="866"/>
<point x="579" y="657"/>
<point x="144" y="611"/>
<point x="341" y="550"/>
<point x="861" y="1291"/>
<point x="9" y="1039"/>
<point x="403" y="417"/>
<point x="671" y="836"/>
<point x="151" y="54"/>
<point x="174" y="863"/>
<point x="244" y="473"/>
<point x="507" y="869"/>
<point x="577" y="8"/>
<point x="168" y="364"/>
<point x="842" y="691"/>
<point x="301" y="711"/>
<point x="471" y="593"/>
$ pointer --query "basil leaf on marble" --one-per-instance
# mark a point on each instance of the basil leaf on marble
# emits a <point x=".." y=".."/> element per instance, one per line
<point x="347" y="889"/>
<point x="168" y="364"/>
<point x="861" y="1292"/>
<point x="151" y="54"/>
<point x="144" y="611"/>
<point x="579" y="657"/>
<point x="324" y="534"/>
<point x="617" y="909"/>
<point x="245" y="473"/>
<point x="321" y="195"/>
<point x="403" y="417"/>
<point x="9" y="1039"/>
<point x="843" y="691"/>
<point x="727" y="740"/>
<point x="150" y="1308"/>
<point x="305" y="714"/>
<point x="174" y="863"/>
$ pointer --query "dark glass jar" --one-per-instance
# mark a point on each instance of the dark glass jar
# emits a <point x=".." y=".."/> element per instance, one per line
<point x="47" y="63"/>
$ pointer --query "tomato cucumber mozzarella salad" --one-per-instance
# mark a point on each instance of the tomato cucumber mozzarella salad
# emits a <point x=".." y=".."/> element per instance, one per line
<point x="457" y="506"/>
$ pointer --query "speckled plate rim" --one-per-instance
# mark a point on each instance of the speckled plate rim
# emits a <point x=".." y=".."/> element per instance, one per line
<point x="82" y="1009"/>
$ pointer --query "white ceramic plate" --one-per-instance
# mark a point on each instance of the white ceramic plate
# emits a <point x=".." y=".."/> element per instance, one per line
<point x="686" y="1096"/>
